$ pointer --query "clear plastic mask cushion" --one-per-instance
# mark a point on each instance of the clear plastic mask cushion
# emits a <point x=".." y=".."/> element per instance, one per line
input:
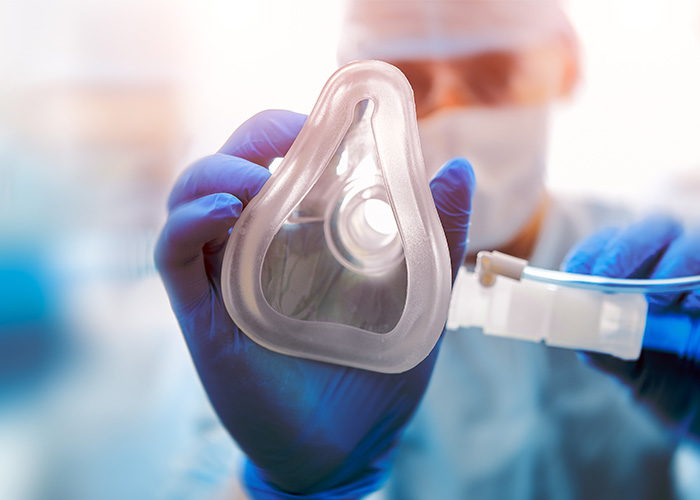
<point x="341" y="256"/>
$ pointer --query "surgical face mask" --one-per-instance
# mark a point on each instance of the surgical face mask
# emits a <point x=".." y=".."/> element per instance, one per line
<point x="507" y="149"/>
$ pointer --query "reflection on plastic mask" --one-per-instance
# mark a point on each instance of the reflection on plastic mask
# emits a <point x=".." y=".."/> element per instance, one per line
<point x="352" y="236"/>
<point x="379" y="217"/>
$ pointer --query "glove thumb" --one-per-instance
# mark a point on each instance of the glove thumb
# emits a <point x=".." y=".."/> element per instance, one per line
<point x="453" y="189"/>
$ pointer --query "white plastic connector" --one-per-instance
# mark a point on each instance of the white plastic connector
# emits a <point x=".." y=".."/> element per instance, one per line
<point x="491" y="264"/>
<point x="559" y="316"/>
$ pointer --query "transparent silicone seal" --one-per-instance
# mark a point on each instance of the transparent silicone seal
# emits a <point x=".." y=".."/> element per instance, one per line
<point x="425" y="251"/>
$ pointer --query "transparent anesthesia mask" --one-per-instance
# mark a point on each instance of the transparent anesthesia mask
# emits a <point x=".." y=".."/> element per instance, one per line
<point x="341" y="256"/>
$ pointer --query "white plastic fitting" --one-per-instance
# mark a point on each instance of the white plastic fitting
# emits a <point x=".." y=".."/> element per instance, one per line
<point x="588" y="320"/>
<point x="489" y="265"/>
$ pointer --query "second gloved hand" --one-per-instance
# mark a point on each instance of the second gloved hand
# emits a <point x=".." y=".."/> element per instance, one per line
<point x="309" y="429"/>
<point x="666" y="377"/>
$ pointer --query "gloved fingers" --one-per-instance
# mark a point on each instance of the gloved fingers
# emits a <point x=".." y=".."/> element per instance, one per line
<point x="582" y="257"/>
<point x="240" y="165"/>
<point x="190" y="228"/>
<point x="453" y="189"/>
<point x="219" y="173"/>
<point x="636" y="250"/>
<point x="265" y="136"/>
<point x="681" y="259"/>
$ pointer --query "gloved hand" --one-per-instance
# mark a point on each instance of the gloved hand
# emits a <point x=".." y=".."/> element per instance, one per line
<point x="666" y="377"/>
<point x="309" y="429"/>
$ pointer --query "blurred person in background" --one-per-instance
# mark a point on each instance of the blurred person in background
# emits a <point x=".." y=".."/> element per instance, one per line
<point x="521" y="420"/>
<point x="93" y="124"/>
<point x="499" y="418"/>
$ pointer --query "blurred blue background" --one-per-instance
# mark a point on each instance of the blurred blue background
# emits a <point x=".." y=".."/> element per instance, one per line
<point x="102" y="103"/>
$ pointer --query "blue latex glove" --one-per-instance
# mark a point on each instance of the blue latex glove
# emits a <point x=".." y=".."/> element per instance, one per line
<point x="309" y="429"/>
<point x="667" y="375"/>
